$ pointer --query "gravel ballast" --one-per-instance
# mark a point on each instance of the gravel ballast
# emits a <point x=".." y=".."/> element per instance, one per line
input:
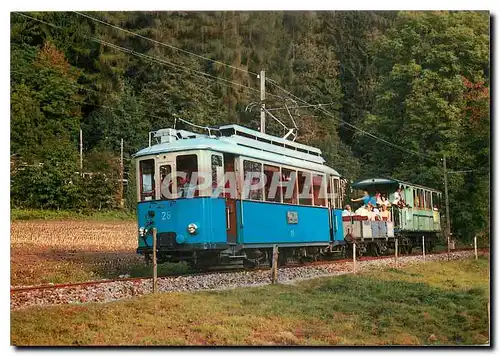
<point x="115" y="290"/>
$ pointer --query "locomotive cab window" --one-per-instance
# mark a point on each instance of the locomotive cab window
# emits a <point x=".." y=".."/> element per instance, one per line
<point x="147" y="179"/>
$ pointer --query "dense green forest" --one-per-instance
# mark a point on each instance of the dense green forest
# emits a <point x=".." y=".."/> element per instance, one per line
<point x="401" y="90"/>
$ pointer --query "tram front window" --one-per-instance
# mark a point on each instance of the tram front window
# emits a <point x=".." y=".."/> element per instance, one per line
<point x="147" y="184"/>
<point x="187" y="176"/>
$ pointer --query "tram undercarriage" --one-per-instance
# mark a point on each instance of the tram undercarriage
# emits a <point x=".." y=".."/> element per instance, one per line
<point x="249" y="257"/>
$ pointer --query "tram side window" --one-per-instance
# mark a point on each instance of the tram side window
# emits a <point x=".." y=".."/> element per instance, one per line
<point x="251" y="175"/>
<point x="147" y="168"/>
<point x="329" y="190"/>
<point x="336" y="194"/>
<point x="436" y="201"/>
<point x="289" y="186"/>
<point x="428" y="200"/>
<point x="216" y="170"/>
<point x="272" y="174"/>
<point x="186" y="166"/>
<point x="318" y="182"/>
<point x="305" y="194"/>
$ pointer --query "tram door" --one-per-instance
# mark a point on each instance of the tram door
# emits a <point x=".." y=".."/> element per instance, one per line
<point x="231" y="228"/>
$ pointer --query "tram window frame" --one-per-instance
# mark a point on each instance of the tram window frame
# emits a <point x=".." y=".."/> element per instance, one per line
<point x="292" y="175"/>
<point x="186" y="191"/>
<point x="302" y="179"/>
<point x="317" y="199"/>
<point x="252" y="194"/>
<point x="151" y="194"/>
<point x="436" y="200"/>
<point x="329" y="191"/>
<point x="170" y="185"/>
<point x="336" y="193"/>
<point x="269" y="181"/>
<point x="216" y="169"/>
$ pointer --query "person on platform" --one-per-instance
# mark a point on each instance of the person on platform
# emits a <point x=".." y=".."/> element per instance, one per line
<point x="347" y="211"/>
<point x="365" y="198"/>
<point x="362" y="211"/>
<point x="398" y="198"/>
<point x="371" y="213"/>
<point x="385" y="201"/>
<point x="385" y="214"/>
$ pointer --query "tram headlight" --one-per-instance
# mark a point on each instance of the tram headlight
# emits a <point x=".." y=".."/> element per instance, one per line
<point x="142" y="231"/>
<point x="192" y="228"/>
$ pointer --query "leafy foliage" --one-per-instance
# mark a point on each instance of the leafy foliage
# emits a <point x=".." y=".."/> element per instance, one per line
<point x="417" y="79"/>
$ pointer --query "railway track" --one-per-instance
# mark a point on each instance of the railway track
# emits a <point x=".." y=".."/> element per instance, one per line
<point x="112" y="290"/>
<point x="233" y="270"/>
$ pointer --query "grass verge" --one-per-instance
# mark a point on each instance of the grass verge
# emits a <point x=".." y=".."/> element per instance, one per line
<point x="440" y="303"/>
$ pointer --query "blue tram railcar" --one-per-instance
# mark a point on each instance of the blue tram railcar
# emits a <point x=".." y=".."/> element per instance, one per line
<point x="207" y="228"/>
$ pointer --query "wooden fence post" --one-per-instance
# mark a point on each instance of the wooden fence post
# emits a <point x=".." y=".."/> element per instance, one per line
<point x="274" y="270"/>
<point x="448" y="250"/>
<point x="155" y="271"/>
<point x="475" y="246"/>
<point x="396" y="252"/>
<point x="423" y="246"/>
<point x="354" y="257"/>
<point x="489" y="323"/>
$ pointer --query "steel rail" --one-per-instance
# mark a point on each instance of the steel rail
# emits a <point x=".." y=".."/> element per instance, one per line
<point x="295" y="265"/>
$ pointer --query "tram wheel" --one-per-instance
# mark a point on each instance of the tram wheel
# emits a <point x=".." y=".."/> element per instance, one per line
<point x="343" y="251"/>
<point x="374" y="250"/>
<point x="406" y="246"/>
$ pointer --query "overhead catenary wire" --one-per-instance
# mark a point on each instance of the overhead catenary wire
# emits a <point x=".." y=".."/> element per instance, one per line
<point x="151" y="58"/>
<point x="353" y="127"/>
<point x="164" y="44"/>
<point x="273" y="82"/>
<point x="162" y="61"/>
<point x="299" y="107"/>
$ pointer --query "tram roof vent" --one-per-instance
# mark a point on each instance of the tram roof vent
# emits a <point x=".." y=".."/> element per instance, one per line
<point x="171" y="135"/>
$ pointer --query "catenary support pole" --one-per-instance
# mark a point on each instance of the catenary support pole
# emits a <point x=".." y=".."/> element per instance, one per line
<point x="121" y="173"/>
<point x="262" y="99"/>
<point x="155" y="265"/>
<point x="354" y="257"/>
<point x="475" y="246"/>
<point x="447" y="206"/>
<point x="81" y="152"/>
<point x="423" y="246"/>
<point x="274" y="270"/>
